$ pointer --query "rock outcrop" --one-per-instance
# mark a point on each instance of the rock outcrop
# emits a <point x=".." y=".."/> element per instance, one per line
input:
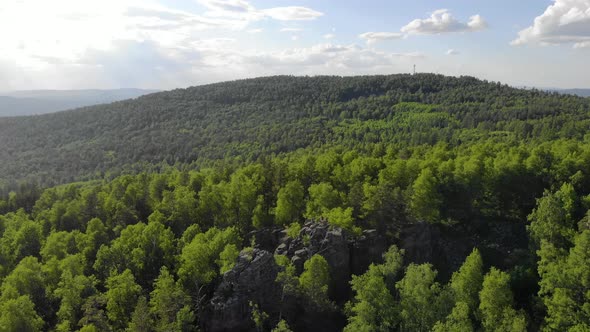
<point x="253" y="277"/>
<point x="447" y="247"/>
<point x="252" y="280"/>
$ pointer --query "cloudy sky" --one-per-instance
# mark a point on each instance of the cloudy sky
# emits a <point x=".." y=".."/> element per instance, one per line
<point x="165" y="44"/>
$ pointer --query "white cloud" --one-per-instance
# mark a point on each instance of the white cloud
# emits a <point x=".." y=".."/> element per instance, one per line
<point x="291" y="30"/>
<point x="442" y="21"/>
<point x="585" y="44"/>
<point x="452" y="52"/>
<point x="329" y="36"/>
<point x="343" y="59"/>
<point x="292" y="13"/>
<point x="373" y="37"/>
<point x="122" y="43"/>
<point x="477" y="23"/>
<point x="294" y="38"/>
<point x="243" y="9"/>
<point x="563" y="22"/>
<point x="65" y="29"/>
<point x="236" y="6"/>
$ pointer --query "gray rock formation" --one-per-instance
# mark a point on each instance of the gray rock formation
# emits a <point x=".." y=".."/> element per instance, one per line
<point x="251" y="280"/>
<point x="447" y="247"/>
<point x="253" y="277"/>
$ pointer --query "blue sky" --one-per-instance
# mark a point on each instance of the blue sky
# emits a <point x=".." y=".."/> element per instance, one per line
<point x="75" y="44"/>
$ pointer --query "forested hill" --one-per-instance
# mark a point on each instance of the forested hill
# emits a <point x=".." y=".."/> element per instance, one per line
<point x="254" y="117"/>
<point x="381" y="203"/>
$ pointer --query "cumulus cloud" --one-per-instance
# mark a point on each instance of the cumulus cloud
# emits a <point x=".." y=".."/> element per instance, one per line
<point x="373" y="37"/>
<point x="563" y="22"/>
<point x="442" y="21"/>
<point x="452" y="52"/>
<point x="329" y="36"/>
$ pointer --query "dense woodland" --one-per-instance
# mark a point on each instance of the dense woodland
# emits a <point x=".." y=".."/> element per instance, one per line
<point x="129" y="216"/>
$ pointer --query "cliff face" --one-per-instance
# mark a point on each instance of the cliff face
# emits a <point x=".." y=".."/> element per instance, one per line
<point x="501" y="245"/>
<point x="252" y="280"/>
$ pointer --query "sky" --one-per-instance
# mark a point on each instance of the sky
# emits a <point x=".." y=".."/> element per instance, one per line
<point x="167" y="44"/>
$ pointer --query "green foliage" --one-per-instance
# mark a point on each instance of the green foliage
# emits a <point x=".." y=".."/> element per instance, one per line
<point x="122" y="296"/>
<point x="552" y="219"/>
<point x="18" y="315"/>
<point x="280" y="114"/>
<point x="21" y="237"/>
<point x="287" y="277"/>
<point x="565" y="284"/>
<point x="496" y="304"/>
<point x="167" y="302"/>
<point x="457" y="321"/>
<point x="379" y="152"/>
<point x="58" y="245"/>
<point x="89" y="328"/>
<point x="466" y="283"/>
<point x="322" y="198"/>
<point x="419" y="293"/>
<point x="393" y="260"/>
<point x="178" y="208"/>
<point x="227" y="258"/>
<point x="200" y="260"/>
<point x="26" y="280"/>
<point x="72" y="291"/>
<point x="373" y="307"/>
<point x="426" y="200"/>
<point x="290" y="203"/>
<point x="142" y="248"/>
<point x="94" y="317"/>
<point x="342" y="218"/>
<point x="293" y="230"/>
<point x="282" y="326"/>
<point x="314" y="281"/>
<point x="259" y="317"/>
<point x="140" y="319"/>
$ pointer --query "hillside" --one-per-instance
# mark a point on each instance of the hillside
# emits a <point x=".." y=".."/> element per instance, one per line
<point x="19" y="103"/>
<point x="378" y="203"/>
<point x="264" y="116"/>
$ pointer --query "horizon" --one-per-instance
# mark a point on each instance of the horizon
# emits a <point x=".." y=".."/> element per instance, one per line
<point x="163" y="45"/>
<point x="156" y="90"/>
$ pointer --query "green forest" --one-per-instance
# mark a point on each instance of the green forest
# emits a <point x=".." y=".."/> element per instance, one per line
<point x="370" y="203"/>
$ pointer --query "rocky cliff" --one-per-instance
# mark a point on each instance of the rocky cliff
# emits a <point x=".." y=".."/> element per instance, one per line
<point x="253" y="278"/>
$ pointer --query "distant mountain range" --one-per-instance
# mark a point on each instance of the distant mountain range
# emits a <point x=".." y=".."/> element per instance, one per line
<point x="33" y="102"/>
<point x="579" y="92"/>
